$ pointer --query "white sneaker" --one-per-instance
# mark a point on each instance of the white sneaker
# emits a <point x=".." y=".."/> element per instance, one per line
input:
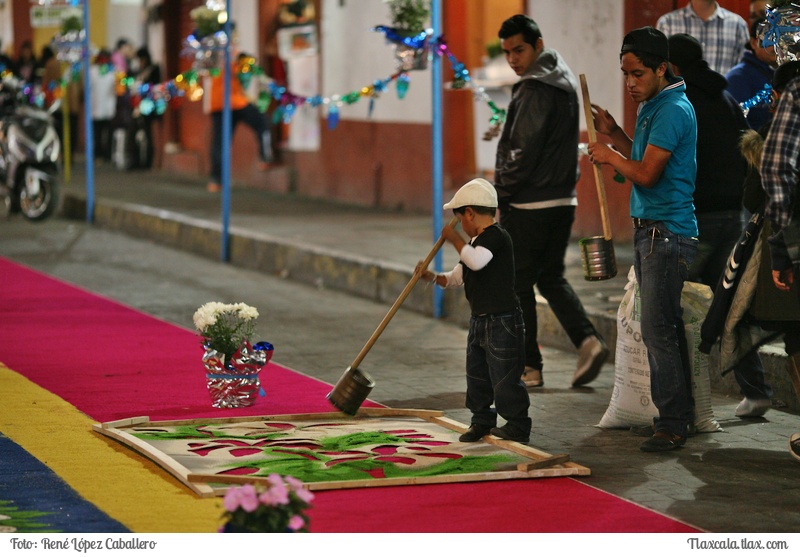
<point x="794" y="446"/>
<point x="753" y="407"/>
<point x="592" y="354"/>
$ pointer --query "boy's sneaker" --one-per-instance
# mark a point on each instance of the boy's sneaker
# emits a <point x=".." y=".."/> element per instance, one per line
<point x="476" y="432"/>
<point x="753" y="407"/>
<point x="511" y="433"/>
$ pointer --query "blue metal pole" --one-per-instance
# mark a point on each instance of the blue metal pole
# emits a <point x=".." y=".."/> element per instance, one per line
<point x="87" y="102"/>
<point x="226" y="141"/>
<point x="436" y="155"/>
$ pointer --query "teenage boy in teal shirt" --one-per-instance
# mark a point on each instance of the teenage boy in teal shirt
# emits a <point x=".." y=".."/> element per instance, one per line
<point x="660" y="161"/>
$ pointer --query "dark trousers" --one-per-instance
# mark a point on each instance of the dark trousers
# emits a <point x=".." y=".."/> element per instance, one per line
<point x="102" y="139"/>
<point x="541" y="237"/>
<point x="495" y="346"/>
<point x="251" y="117"/>
<point x="718" y="233"/>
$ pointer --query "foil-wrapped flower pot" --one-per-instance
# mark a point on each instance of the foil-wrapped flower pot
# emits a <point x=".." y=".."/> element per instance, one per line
<point x="236" y="383"/>
<point x="408" y="58"/>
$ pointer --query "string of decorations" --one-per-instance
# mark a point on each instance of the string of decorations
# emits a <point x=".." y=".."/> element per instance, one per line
<point x="207" y="47"/>
<point x="762" y="97"/>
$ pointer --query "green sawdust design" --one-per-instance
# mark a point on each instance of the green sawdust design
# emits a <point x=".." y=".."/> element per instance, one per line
<point x="353" y="440"/>
<point x="24" y="522"/>
<point x="198" y="432"/>
<point x="307" y="470"/>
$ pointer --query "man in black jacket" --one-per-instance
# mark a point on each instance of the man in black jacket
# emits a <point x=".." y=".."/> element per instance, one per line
<point x="536" y="170"/>
<point x="721" y="168"/>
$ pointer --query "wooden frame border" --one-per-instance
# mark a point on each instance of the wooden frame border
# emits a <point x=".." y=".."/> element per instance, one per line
<point x="541" y="465"/>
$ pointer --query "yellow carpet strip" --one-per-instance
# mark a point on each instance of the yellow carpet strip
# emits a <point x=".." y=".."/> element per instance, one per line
<point x="124" y="485"/>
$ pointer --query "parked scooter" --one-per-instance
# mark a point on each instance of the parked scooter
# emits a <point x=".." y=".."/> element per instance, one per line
<point x="29" y="151"/>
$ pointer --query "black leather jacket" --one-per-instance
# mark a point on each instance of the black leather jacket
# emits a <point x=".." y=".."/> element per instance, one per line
<point x="537" y="155"/>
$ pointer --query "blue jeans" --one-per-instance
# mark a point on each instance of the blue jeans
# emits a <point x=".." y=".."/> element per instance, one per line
<point x="495" y="361"/>
<point x="661" y="262"/>
<point x="749" y="373"/>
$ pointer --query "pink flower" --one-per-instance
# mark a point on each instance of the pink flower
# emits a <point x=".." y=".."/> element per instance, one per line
<point x="305" y="495"/>
<point x="279" y="494"/>
<point x="296" y="522"/>
<point x="294" y="483"/>
<point x="249" y="499"/>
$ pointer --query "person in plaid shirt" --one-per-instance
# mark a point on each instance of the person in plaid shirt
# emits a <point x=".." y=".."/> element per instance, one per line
<point x="780" y="172"/>
<point x="722" y="33"/>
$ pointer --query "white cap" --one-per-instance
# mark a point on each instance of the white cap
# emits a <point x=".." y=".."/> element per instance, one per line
<point x="478" y="192"/>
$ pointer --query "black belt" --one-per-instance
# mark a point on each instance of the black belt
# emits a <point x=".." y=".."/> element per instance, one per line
<point x="495" y="315"/>
<point x="643" y="223"/>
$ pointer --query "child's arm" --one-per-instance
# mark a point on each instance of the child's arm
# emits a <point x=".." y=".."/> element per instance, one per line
<point x="445" y="280"/>
<point x="476" y="258"/>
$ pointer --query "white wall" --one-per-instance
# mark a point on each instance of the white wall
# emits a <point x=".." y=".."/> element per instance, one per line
<point x="588" y="34"/>
<point x="125" y="19"/>
<point x="354" y="57"/>
<point x="244" y="13"/>
<point x="6" y="29"/>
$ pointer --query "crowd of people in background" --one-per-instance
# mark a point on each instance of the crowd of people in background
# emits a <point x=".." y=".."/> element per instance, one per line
<point x="110" y="104"/>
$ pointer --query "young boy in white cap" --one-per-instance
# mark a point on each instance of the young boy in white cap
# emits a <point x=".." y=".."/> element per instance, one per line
<point x="496" y="341"/>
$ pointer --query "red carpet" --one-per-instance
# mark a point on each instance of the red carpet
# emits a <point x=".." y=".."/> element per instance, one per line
<point x="113" y="362"/>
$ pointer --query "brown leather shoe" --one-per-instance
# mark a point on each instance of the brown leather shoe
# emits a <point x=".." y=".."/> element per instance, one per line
<point x="663" y="441"/>
<point x="476" y="432"/>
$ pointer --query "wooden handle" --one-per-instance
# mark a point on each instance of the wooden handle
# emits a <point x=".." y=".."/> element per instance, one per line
<point x="403" y="295"/>
<point x="598" y="175"/>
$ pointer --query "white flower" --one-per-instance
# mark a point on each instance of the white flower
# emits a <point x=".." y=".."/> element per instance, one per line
<point x="246" y="312"/>
<point x="224" y="327"/>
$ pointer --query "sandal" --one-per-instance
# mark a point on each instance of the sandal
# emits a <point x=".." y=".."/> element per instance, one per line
<point x="532" y="377"/>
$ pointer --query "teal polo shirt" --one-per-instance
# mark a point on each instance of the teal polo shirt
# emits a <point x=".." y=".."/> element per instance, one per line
<point x="668" y="121"/>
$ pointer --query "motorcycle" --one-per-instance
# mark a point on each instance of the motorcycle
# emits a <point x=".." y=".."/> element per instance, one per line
<point x="29" y="151"/>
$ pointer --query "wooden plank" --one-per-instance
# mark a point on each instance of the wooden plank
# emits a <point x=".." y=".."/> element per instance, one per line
<point x="362" y="412"/>
<point x="450" y="423"/>
<point x="125" y="422"/>
<point x="544" y="463"/>
<point x="418" y="480"/>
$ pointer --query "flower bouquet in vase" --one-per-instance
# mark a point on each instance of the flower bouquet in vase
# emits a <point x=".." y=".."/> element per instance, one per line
<point x="232" y="363"/>
<point x="278" y="507"/>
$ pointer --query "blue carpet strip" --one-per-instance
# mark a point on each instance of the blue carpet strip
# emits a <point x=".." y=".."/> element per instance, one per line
<point x="33" y="499"/>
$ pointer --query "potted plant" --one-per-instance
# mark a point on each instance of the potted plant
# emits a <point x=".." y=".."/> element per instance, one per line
<point x="408" y="33"/>
<point x="279" y="507"/>
<point x="409" y="16"/>
<point x="232" y="363"/>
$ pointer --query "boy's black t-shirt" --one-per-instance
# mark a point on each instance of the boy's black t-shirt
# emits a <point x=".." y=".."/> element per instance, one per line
<point x="491" y="290"/>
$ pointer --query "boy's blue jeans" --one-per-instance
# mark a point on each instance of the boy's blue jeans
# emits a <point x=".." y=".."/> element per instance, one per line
<point x="661" y="262"/>
<point x="495" y="361"/>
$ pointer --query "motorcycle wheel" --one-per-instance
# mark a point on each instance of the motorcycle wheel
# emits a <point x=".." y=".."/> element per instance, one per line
<point x="39" y="202"/>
